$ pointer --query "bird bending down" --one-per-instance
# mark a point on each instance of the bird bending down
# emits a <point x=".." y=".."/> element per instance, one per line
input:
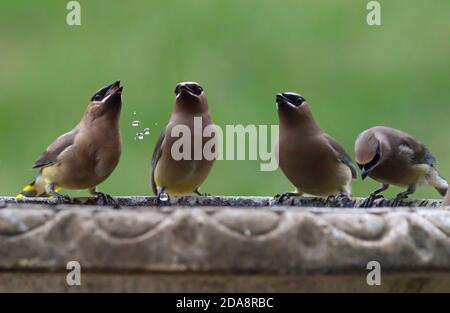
<point x="393" y="157"/>
<point x="85" y="156"/>
<point x="312" y="160"/>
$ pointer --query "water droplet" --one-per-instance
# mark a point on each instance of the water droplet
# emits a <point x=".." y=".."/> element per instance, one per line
<point x="163" y="197"/>
<point x="147" y="131"/>
<point x="134" y="112"/>
<point x="140" y="136"/>
<point x="135" y="123"/>
<point x="247" y="232"/>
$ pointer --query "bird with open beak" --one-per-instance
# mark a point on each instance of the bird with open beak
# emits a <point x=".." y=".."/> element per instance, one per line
<point x="85" y="156"/>
<point x="312" y="160"/>
<point x="171" y="175"/>
<point x="393" y="157"/>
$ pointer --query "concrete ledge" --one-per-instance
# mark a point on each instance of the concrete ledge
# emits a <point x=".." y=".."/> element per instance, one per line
<point x="215" y="201"/>
<point x="190" y="282"/>
<point x="223" y="244"/>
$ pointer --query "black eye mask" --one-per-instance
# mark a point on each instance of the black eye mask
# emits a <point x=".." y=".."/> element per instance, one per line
<point x="195" y="89"/>
<point x="99" y="95"/>
<point x="294" y="99"/>
<point x="373" y="162"/>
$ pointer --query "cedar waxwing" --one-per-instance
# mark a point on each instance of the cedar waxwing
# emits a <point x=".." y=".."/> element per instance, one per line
<point x="85" y="156"/>
<point x="172" y="175"/>
<point x="312" y="160"/>
<point x="393" y="157"/>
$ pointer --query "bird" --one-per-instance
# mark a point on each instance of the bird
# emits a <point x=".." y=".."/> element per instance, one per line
<point x="311" y="159"/>
<point x="85" y="156"/>
<point x="393" y="157"/>
<point x="174" y="176"/>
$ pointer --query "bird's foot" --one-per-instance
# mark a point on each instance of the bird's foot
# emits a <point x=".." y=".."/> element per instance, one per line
<point x="61" y="199"/>
<point x="279" y="198"/>
<point x="339" y="197"/>
<point x="368" y="202"/>
<point x="201" y="194"/>
<point x="398" y="200"/>
<point x="163" y="199"/>
<point x="343" y="197"/>
<point x="337" y="200"/>
<point x="105" y="199"/>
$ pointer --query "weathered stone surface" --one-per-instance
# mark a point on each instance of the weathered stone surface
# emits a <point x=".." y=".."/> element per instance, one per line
<point x="251" y="222"/>
<point x="213" y="282"/>
<point x="18" y="222"/>
<point x="219" y="241"/>
<point x="215" y="201"/>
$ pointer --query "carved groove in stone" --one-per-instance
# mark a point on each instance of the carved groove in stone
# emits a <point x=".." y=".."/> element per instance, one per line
<point x="215" y="239"/>
<point x="15" y="222"/>
<point x="125" y="225"/>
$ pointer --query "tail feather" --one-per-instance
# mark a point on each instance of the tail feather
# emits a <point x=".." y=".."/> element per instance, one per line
<point x="438" y="182"/>
<point x="34" y="189"/>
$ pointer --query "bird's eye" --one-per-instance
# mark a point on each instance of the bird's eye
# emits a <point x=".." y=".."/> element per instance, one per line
<point x="198" y="90"/>
<point x="300" y="100"/>
<point x="97" y="97"/>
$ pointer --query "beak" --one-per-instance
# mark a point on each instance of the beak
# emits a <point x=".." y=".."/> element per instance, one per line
<point x="114" y="89"/>
<point x="113" y="94"/>
<point x="186" y="88"/>
<point x="283" y="102"/>
<point x="364" y="173"/>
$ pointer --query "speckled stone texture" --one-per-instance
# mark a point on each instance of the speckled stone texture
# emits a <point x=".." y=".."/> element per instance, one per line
<point x="224" y="244"/>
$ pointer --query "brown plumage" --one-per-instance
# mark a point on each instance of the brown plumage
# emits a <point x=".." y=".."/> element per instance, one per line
<point x="393" y="157"/>
<point x="85" y="156"/>
<point x="312" y="160"/>
<point x="182" y="176"/>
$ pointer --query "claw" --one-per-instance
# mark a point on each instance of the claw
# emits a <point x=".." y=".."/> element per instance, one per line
<point x="61" y="199"/>
<point x="279" y="198"/>
<point x="107" y="200"/>
<point x="343" y="197"/>
<point x="398" y="201"/>
<point x="202" y="194"/>
<point x="368" y="202"/>
<point x="400" y="197"/>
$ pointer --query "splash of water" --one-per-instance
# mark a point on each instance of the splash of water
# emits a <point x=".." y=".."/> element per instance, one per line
<point x="139" y="136"/>
<point x="163" y="197"/>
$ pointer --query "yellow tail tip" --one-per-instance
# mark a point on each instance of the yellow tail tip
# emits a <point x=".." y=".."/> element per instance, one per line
<point x="29" y="188"/>
<point x="20" y="196"/>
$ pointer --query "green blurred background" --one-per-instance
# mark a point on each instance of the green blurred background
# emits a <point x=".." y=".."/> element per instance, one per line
<point x="242" y="51"/>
